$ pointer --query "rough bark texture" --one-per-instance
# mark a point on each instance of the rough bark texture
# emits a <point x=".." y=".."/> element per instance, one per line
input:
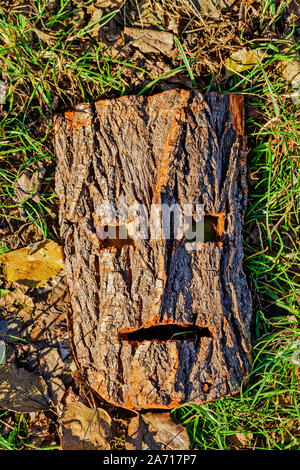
<point x="176" y="146"/>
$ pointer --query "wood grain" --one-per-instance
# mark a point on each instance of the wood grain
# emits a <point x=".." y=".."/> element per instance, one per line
<point x="176" y="146"/>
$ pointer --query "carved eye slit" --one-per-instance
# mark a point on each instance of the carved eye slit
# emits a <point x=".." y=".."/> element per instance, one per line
<point x="114" y="236"/>
<point x="206" y="387"/>
<point x="213" y="229"/>
<point x="165" y="332"/>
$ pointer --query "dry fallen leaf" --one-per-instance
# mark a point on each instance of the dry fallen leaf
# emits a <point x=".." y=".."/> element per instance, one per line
<point x="41" y="431"/>
<point x="156" y="431"/>
<point x="104" y="4"/>
<point x="12" y="328"/>
<point x="97" y="11"/>
<point x="83" y="428"/>
<point x="291" y="73"/>
<point x="16" y="303"/>
<point x="52" y="368"/>
<point x="33" y="265"/>
<point x="148" y="14"/>
<point x="211" y="8"/>
<point x="148" y="40"/>
<point x="29" y="185"/>
<point x="290" y="70"/>
<point x="240" y="440"/>
<point x="243" y="59"/>
<point x="22" y="391"/>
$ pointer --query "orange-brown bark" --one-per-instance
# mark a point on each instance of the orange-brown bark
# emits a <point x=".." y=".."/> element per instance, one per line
<point x="175" y="147"/>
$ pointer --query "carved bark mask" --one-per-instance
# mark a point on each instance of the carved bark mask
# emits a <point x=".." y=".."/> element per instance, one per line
<point x="154" y="323"/>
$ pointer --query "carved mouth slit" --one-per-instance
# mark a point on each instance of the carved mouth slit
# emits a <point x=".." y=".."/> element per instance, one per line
<point x="166" y="332"/>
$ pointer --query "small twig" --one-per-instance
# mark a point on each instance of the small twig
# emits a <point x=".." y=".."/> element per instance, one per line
<point x="6" y="424"/>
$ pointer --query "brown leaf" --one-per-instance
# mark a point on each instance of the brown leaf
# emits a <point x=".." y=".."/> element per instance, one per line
<point x="239" y="440"/>
<point x="41" y="431"/>
<point x="211" y="8"/>
<point x="22" y="391"/>
<point x="33" y="265"/>
<point x="16" y="303"/>
<point x="12" y="328"/>
<point x="291" y="73"/>
<point x="148" y="40"/>
<point x="98" y="10"/>
<point x="28" y="185"/>
<point x="156" y="431"/>
<point x="52" y="368"/>
<point x="83" y="428"/>
<point x="104" y="4"/>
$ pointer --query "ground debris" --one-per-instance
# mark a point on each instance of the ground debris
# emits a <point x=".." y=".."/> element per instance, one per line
<point x="149" y="41"/>
<point x="22" y="391"/>
<point x="156" y="431"/>
<point x="2" y="352"/>
<point x="240" y="440"/>
<point x="41" y="430"/>
<point x="33" y="330"/>
<point x="83" y="428"/>
<point x="291" y="73"/>
<point x="211" y="8"/>
<point x="33" y="265"/>
<point x="16" y="303"/>
<point x="28" y="185"/>
<point x="99" y="10"/>
<point x="243" y="59"/>
<point x="51" y="367"/>
<point x="12" y="328"/>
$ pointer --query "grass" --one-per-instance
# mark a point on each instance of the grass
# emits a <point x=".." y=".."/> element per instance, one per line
<point x="267" y="409"/>
<point x="266" y="412"/>
<point x="17" y="433"/>
<point x="50" y="61"/>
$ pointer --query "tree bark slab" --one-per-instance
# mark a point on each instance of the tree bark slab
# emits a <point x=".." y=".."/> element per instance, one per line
<point x="174" y="147"/>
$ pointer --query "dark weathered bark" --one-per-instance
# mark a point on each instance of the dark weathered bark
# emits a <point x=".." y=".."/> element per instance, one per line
<point x="176" y="146"/>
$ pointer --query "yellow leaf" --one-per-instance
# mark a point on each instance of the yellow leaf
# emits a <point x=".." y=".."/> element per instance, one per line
<point x="243" y="59"/>
<point x="33" y="265"/>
